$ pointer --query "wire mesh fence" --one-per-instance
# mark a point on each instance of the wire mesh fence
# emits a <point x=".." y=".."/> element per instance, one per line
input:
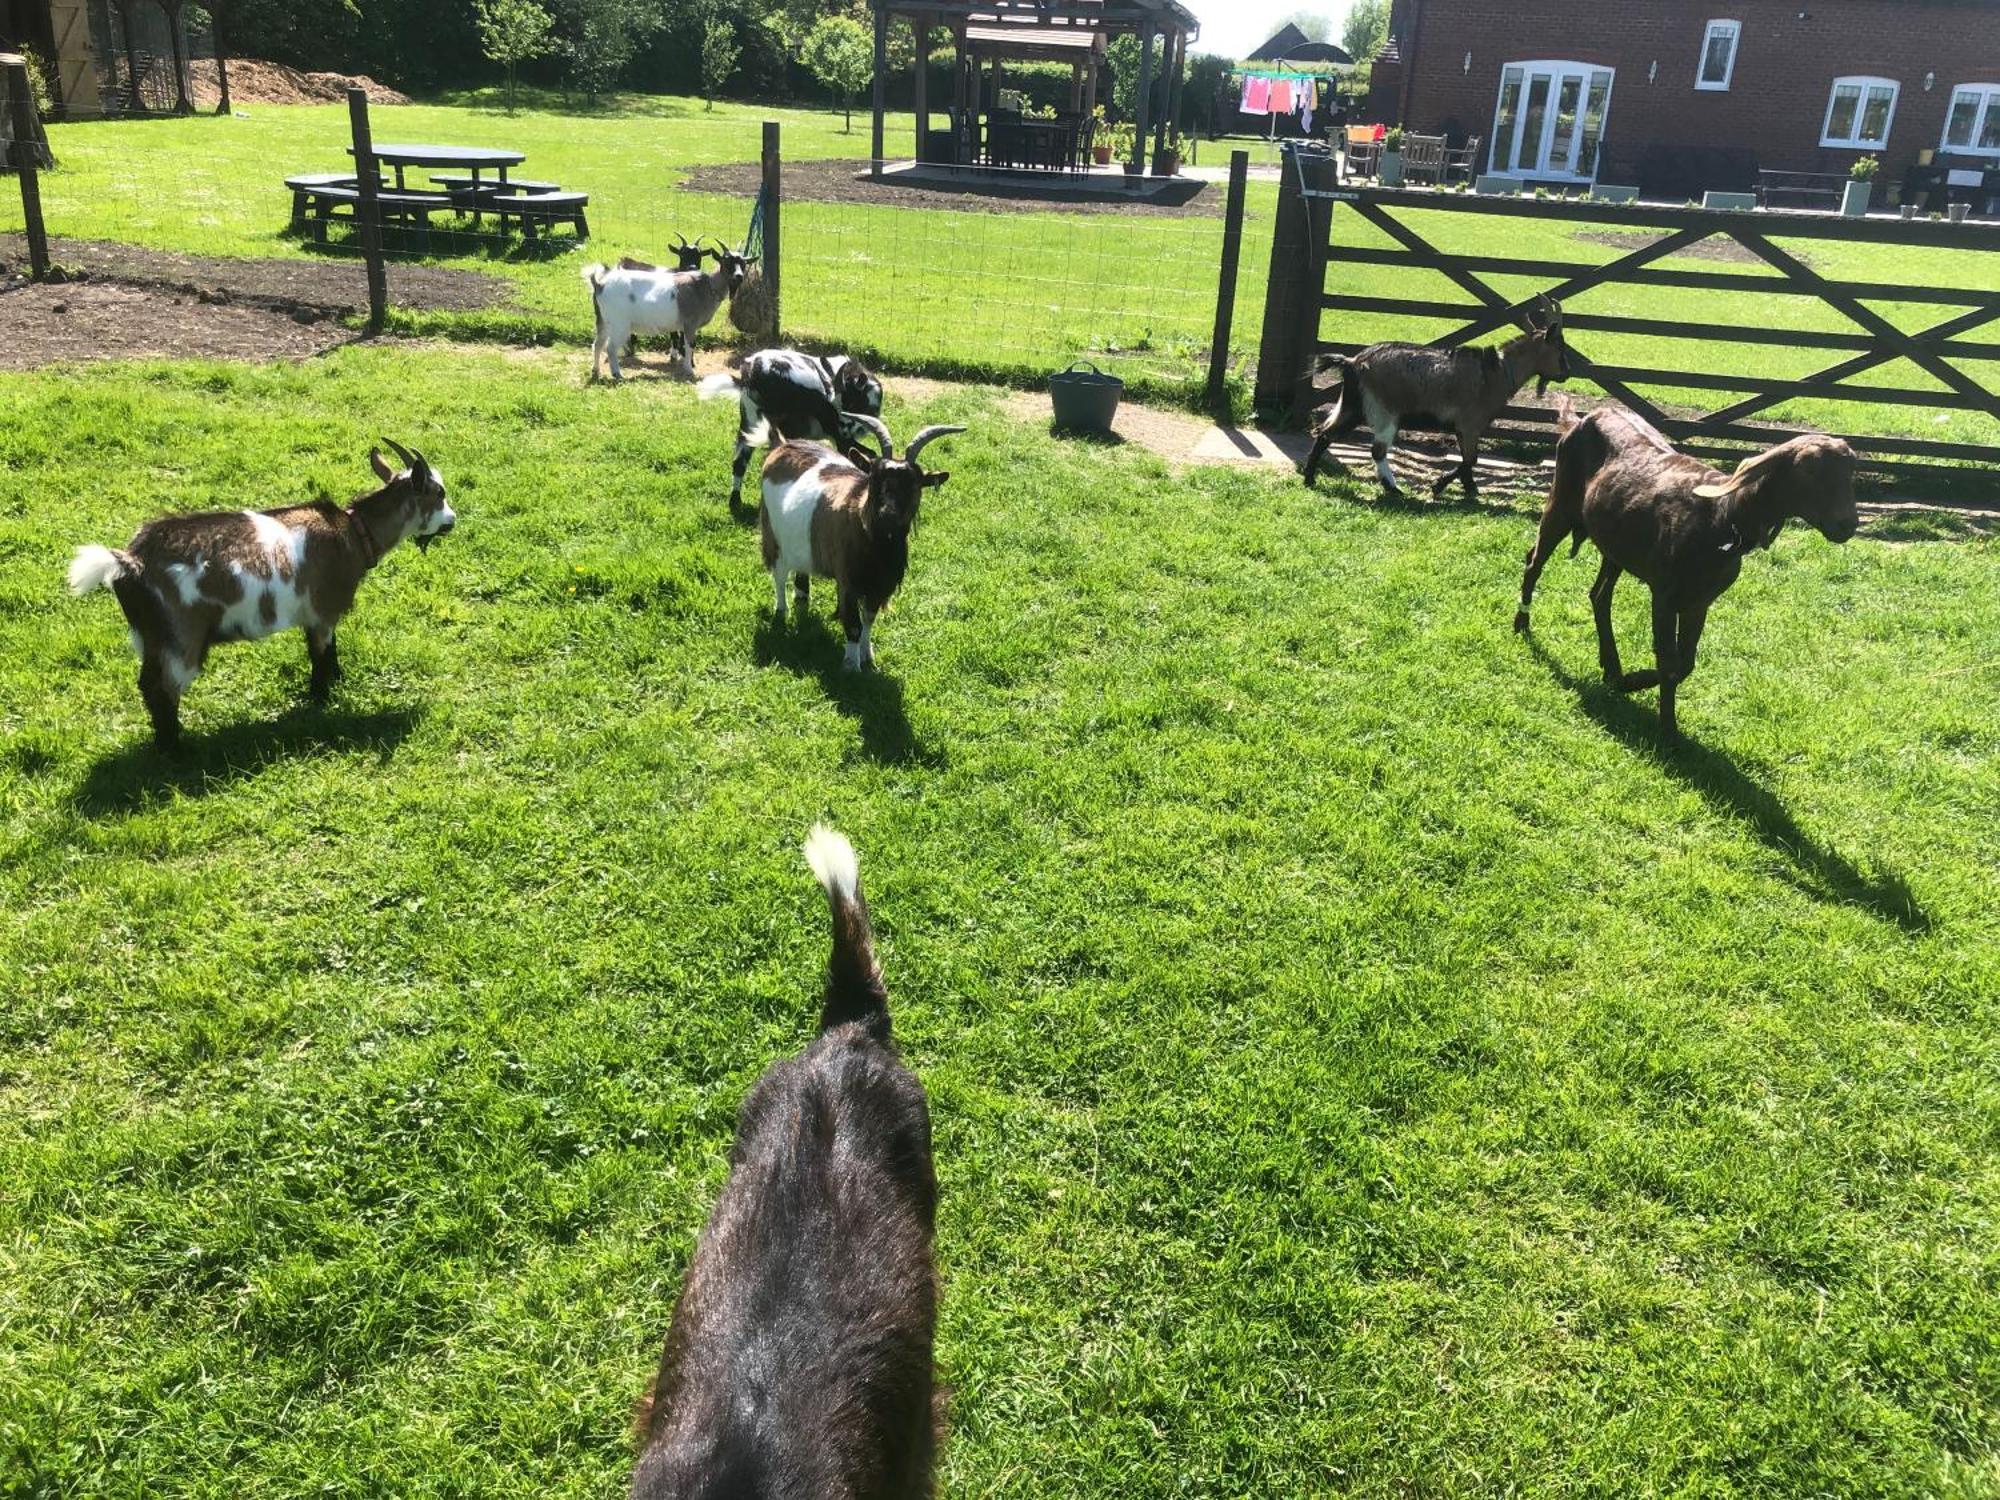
<point x="1004" y="275"/>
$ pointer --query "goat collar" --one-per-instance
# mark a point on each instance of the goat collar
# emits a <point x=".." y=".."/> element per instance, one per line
<point x="364" y="535"/>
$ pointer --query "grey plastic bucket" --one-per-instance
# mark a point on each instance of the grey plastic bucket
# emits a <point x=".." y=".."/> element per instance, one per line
<point x="1085" y="402"/>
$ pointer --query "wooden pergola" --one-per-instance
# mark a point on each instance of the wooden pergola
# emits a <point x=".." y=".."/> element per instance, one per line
<point x="1076" y="32"/>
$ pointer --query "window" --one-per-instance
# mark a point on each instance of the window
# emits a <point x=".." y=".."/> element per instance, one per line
<point x="1974" y="121"/>
<point x="1718" y="54"/>
<point x="1550" y="120"/>
<point x="1860" y="112"/>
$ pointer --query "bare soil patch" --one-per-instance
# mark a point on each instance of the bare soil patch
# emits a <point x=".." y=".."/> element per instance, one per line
<point x="253" y="81"/>
<point x="330" y="284"/>
<point x="1714" y="248"/>
<point x="97" y="320"/>
<point x="848" y="182"/>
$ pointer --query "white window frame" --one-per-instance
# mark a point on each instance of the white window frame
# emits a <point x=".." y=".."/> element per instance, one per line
<point x="1558" y="69"/>
<point x="1866" y="85"/>
<point x="1734" y="30"/>
<point x="1989" y="96"/>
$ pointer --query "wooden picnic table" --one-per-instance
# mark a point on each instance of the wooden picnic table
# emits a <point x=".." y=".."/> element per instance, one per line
<point x="472" y="159"/>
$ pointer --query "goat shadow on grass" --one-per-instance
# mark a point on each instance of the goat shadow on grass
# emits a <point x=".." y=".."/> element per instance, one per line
<point x="129" y="779"/>
<point x="1820" y="872"/>
<point x="806" y="644"/>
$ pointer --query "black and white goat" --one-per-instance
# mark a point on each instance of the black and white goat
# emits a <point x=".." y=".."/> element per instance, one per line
<point x="844" y="518"/>
<point x="686" y="258"/>
<point x="1389" y="386"/>
<point x="795" y="397"/>
<point x="627" y="302"/>
<point x="189" y="582"/>
<point x="799" y="1361"/>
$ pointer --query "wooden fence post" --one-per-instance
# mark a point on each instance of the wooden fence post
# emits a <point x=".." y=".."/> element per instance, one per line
<point x="1225" y="292"/>
<point x="26" y="162"/>
<point x="368" y="209"/>
<point x="773" y="197"/>
<point x="1298" y="282"/>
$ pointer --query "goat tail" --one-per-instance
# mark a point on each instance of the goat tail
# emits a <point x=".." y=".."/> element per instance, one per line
<point x="854" y="990"/>
<point x="96" y="568"/>
<point x="1566" y="418"/>
<point x="716" y="387"/>
<point x="595" y="275"/>
<point x="1326" y="364"/>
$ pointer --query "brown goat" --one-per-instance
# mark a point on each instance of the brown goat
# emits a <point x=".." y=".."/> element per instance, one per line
<point x="1389" y="386"/>
<point x="798" y="1363"/>
<point x="188" y="582"/>
<point x="847" y="519"/>
<point x="1679" y="525"/>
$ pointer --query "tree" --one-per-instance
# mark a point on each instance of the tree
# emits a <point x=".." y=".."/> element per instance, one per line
<point x="841" y="55"/>
<point x="1366" y="30"/>
<point x="513" y="32"/>
<point x="1317" y="28"/>
<point x="601" y="37"/>
<point x="718" y="56"/>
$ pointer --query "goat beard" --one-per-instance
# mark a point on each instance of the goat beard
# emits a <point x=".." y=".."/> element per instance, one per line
<point x="423" y="541"/>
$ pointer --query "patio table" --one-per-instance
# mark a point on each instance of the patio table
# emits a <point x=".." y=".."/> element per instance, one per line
<point x="472" y="159"/>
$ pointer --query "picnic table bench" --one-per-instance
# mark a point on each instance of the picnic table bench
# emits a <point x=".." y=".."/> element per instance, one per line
<point x="1810" y="189"/>
<point x="319" y="197"/>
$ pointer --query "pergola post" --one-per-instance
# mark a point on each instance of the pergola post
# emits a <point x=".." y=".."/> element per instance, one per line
<point x="881" y="82"/>
<point x="1141" y="105"/>
<point x="923" y="99"/>
<point x="993" y="102"/>
<point x="1170" y="125"/>
<point x="1090" y="70"/>
<point x="1076" y="88"/>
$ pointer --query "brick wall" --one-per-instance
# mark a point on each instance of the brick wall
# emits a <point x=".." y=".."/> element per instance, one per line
<point x="1773" y="111"/>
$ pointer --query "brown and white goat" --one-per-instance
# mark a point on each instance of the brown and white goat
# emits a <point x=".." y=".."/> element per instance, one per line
<point x="799" y="1359"/>
<point x="1389" y="386"/>
<point x="627" y="302"/>
<point x="1679" y="525"/>
<point x="844" y="518"/>
<point x="189" y="582"/>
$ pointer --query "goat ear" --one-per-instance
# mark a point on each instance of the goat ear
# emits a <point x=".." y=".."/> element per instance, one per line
<point x="1753" y="471"/>
<point x="932" y="481"/>
<point x="381" y="465"/>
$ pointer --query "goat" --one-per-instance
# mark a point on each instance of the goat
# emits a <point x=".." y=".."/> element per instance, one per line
<point x="1390" y="386"/>
<point x="844" y="518"/>
<point x="1679" y="525"/>
<point x="799" y="1358"/>
<point x="188" y="582"/>
<point x="796" y="396"/>
<point x="627" y="302"/>
<point x="687" y="257"/>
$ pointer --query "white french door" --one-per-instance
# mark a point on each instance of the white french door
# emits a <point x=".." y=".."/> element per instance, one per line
<point x="1550" y="120"/>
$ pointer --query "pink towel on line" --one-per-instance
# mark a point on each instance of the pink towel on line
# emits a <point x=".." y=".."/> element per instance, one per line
<point x="1281" y="97"/>
<point x="1257" y="97"/>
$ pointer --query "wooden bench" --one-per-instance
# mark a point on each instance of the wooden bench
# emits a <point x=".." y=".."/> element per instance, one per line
<point x="1822" y="190"/>
<point x="452" y="183"/>
<point x="307" y="184"/>
<point x="538" y="211"/>
<point x="404" y="208"/>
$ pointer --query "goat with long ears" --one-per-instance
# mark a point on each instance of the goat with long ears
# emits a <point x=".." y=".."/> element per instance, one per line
<point x="1461" y="390"/>
<point x="189" y="582"/>
<point x="1677" y="524"/>
<point x="847" y="518"/>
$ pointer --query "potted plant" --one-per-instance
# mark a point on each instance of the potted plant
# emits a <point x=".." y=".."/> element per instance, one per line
<point x="1390" y="172"/>
<point x="1167" y="160"/>
<point x="1119" y="140"/>
<point x="1100" y="150"/>
<point x="1860" y="186"/>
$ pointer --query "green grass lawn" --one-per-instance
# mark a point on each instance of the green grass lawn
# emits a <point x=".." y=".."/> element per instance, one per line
<point x="1362" y="1062"/>
<point x="1005" y="296"/>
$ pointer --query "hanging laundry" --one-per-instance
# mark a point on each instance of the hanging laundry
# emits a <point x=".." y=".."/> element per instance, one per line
<point x="1307" y="96"/>
<point x="1281" y="96"/>
<point x="1257" y="96"/>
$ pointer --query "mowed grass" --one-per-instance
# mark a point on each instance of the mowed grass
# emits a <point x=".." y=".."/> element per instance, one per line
<point x="1362" y="1062"/>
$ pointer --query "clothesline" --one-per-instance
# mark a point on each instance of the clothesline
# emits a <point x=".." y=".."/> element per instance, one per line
<point x="1302" y="94"/>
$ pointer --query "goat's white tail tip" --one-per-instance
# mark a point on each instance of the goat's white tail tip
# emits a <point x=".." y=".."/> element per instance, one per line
<point x="594" y="273"/>
<point x="715" y="387"/>
<point x="93" y="568"/>
<point x="833" y="863"/>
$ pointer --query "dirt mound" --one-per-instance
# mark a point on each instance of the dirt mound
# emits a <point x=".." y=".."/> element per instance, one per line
<point x="849" y="182"/>
<point x="255" y="82"/>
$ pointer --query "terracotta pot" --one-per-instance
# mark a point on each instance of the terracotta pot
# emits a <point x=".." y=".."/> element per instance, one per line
<point x="1101" y="155"/>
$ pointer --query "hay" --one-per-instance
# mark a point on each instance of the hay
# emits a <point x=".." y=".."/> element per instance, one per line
<point x="751" y="309"/>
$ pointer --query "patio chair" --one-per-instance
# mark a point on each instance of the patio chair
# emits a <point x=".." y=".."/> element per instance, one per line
<point x="1423" y="158"/>
<point x="1085" y="138"/>
<point x="1364" y="150"/>
<point x="1462" y="165"/>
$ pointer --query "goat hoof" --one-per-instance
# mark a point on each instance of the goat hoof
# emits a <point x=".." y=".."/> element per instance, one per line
<point x="1520" y="622"/>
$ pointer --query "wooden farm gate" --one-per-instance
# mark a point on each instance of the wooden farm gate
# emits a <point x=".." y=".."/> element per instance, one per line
<point x="1303" y="247"/>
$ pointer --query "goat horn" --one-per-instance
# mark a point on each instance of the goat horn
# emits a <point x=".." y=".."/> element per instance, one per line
<point x="410" y="460"/>
<point x="928" y="435"/>
<point x="881" y="433"/>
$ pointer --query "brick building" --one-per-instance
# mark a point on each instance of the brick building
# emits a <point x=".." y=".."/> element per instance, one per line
<point x="1679" y="97"/>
